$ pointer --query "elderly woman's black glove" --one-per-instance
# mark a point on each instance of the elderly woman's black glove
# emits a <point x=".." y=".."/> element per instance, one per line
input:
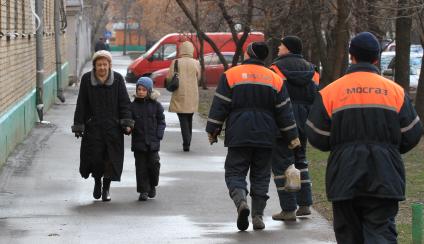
<point x="78" y="130"/>
<point x="127" y="125"/>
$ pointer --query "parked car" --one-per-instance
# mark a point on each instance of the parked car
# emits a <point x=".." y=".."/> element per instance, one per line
<point x="416" y="48"/>
<point x="161" y="54"/>
<point x="213" y="70"/>
<point x="387" y="66"/>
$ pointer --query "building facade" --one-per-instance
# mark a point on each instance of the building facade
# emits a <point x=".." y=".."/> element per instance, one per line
<point x="18" y="68"/>
<point x="78" y="33"/>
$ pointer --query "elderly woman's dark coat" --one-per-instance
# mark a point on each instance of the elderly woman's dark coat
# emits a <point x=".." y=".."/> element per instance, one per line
<point x="102" y="111"/>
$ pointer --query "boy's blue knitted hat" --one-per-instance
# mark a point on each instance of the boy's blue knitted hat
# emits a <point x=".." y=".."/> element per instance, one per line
<point x="146" y="82"/>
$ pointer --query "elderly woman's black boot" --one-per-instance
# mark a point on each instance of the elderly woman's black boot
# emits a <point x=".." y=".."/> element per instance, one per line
<point x="97" y="192"/>
<point x="105" y="192"/>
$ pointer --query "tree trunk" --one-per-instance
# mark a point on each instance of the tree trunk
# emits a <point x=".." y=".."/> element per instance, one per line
<point x="239" y="42"/>
<point x="315" y="12"/>
<point x="342" y="40"/>
<point x="403" y="35"/>
<point x="419" y="99"/>
<point x="201" y="51"/>
<point x="201" y="33"/>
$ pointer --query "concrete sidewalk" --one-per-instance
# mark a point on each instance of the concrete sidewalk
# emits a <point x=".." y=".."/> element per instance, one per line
<point x="43" y="199"/>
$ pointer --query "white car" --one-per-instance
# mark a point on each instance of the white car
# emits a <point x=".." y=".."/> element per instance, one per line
<point x="414" y="63"/>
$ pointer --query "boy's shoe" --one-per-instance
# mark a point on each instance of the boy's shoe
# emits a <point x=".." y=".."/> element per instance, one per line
<point x="258" y="223"/>
<point x="186" y="148"/>
<point x="303" y="211"/>
<point x="152" y="192"/>
<point x="290" y="216"/>
<point x="143" y="196"/>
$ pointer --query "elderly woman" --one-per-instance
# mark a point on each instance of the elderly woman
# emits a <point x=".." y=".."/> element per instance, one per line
<point x="101" y="117"/>
<point x="185" y="99"/>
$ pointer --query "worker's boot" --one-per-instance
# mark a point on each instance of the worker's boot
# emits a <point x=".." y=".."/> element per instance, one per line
<point x="285" y="216"/>
<point x="239" y="197"/>
<point x="303" y="211"/>
<point x="97" y="192"/>
<point x="105" y="191"/>
<point x="258" y="206"/>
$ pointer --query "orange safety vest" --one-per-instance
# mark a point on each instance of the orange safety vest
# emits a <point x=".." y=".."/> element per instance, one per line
<point x="355" y="90"/>
<point x="253" y="74"/>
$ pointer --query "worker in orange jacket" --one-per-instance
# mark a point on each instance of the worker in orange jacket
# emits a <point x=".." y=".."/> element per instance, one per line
<point x="366" y="122"/>
<point x="253" y="103"/>
<point x="302" y="82"/>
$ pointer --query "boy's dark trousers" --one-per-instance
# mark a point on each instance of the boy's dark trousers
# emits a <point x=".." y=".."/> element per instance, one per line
<point x="186" y="121"/>
<point x="147" y="168"/>
<point x="365" y="220"/>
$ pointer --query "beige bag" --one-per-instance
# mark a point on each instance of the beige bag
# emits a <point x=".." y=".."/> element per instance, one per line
<point x="292" y="176"/>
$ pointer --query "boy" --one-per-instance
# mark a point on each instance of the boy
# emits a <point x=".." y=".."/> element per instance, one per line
<point x="148" y="131"/>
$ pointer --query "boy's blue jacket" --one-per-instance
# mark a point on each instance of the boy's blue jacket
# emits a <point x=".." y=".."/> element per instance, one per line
<point x="149" y="123"/>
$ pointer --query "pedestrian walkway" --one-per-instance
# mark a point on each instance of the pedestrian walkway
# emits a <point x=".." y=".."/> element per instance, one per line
<point x="43" y="199"/>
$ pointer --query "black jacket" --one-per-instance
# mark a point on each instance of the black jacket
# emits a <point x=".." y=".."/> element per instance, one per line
<point x="149" y="124"/>
<point x="366" y="121"/>
<point x="252" y="101"/>
<point x="101" y="112"/>
<point x="299" y="75"/>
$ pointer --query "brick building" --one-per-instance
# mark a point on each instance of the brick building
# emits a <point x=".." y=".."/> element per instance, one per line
<point x="18" y="69"/>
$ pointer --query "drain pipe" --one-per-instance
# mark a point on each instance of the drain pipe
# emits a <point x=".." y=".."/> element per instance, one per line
<point x="57" y="31"/>
<point x="39" y="59"/>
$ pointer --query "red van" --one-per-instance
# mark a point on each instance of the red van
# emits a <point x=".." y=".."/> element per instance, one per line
<point x="161" y="54"/>
<point x="213" y="70"/>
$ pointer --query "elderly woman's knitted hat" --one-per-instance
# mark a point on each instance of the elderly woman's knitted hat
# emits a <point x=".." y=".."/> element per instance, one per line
<point x="102" y="54"/>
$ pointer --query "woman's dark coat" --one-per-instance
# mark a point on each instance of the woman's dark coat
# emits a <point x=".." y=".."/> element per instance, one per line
<point x="102" y="111"/>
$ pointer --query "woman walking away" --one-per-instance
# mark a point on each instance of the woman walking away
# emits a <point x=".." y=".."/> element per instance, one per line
<point x="101" y="117"/>
<point x="185" y="99"/>
<point x="149" y="127"/>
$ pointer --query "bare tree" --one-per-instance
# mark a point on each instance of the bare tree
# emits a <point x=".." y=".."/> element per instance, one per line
<point x="97" y="16"/>
<point x="419" y="99"/>
<point x="403" y="32"/>
<point x="246" y="20"/>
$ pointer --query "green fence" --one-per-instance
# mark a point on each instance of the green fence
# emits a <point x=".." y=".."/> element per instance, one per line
<point x="129" y="48"/>
<point x="17" y="122"/>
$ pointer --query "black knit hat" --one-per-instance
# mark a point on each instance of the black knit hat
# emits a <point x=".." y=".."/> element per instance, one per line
<point x="365" y="47"/>
<point x="258" y="50"/>
<point x="293" y="44"/>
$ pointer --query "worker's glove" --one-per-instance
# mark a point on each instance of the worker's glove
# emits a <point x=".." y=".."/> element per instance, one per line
<point x="294" y="143"/>
<point x="212" y="139"/>
<point x="78" y="130"/>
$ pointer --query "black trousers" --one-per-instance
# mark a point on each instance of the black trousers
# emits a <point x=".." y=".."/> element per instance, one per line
<point x="282" y="158"/>
<point x="186" y="122"/>
<point x="237" y="164"/>
<point x="365" y="220"/>
<point x="147" y="168"/>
